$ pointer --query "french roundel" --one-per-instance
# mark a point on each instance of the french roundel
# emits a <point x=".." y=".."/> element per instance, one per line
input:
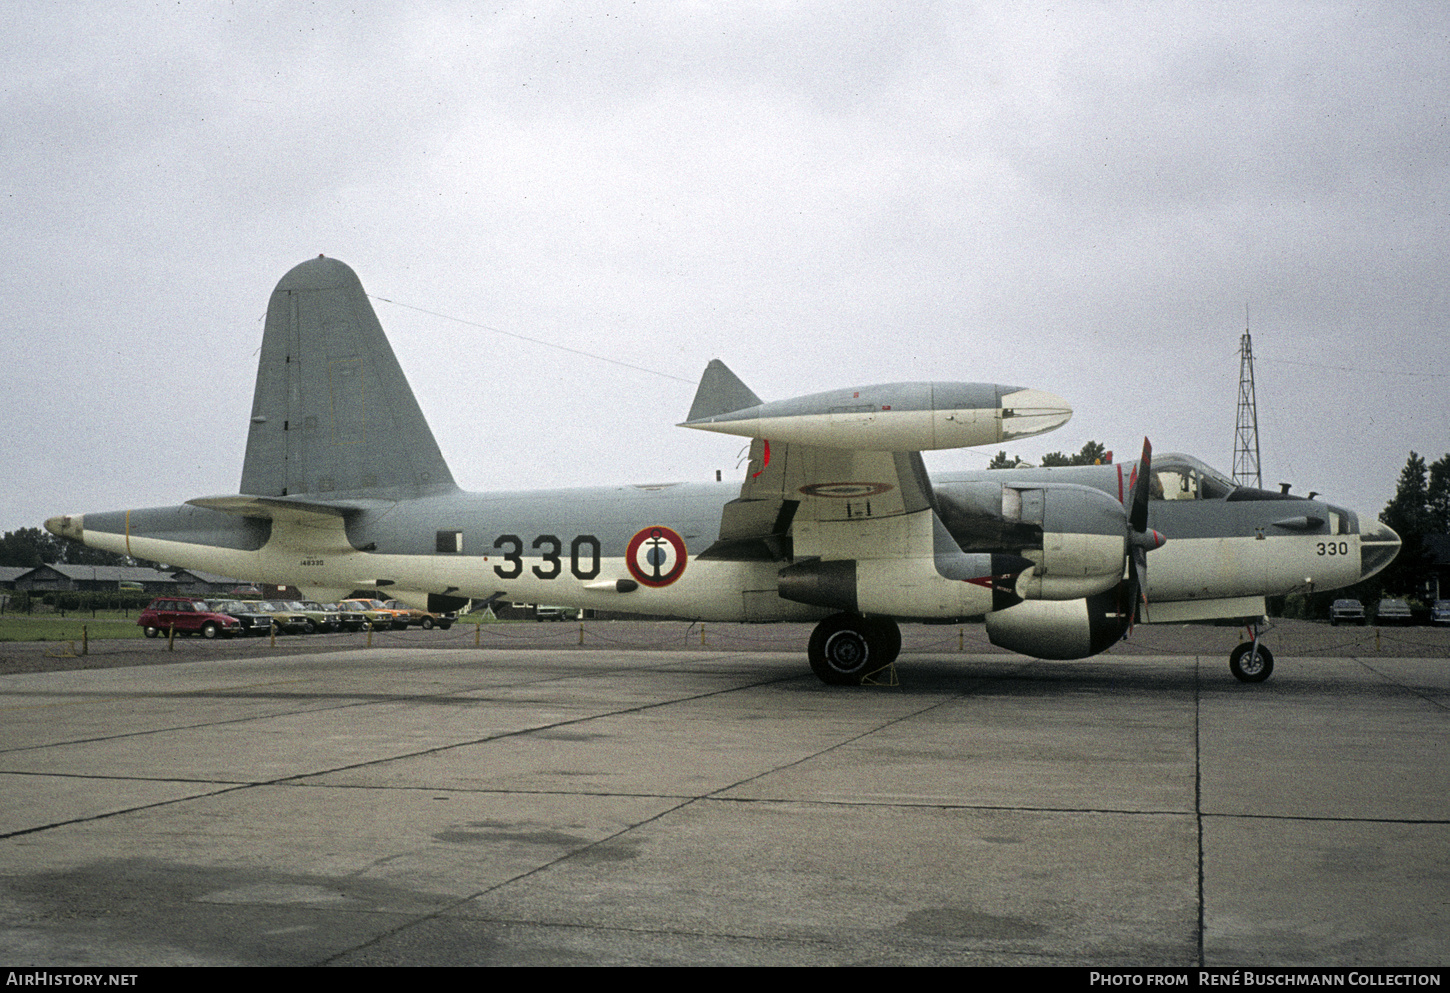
<point x="656" y="556"/>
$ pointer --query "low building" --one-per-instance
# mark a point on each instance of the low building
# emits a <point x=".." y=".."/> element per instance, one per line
<point x="95" y="578"/>
<point x="114" y="578"/>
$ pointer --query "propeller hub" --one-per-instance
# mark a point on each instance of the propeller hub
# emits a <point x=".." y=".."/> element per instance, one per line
<point x="1148" y="540"/>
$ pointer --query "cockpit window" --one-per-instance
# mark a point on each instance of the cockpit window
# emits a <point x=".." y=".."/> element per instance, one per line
<point x="1173" y="484"/>
<point x="1183" y="477"/>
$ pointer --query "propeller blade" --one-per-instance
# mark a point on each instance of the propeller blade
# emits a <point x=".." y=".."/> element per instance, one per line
<point x="1140" y="540"/>
<point x="1140" y="580"/>
<point x="1138" y="508"/>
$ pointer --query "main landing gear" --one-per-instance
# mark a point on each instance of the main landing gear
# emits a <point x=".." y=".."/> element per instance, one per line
<point x="1251" y="662"/>
<point x="846" y="649"/>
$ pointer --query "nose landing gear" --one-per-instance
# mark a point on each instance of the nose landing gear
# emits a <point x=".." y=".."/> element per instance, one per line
<point x="1251" y="662"/>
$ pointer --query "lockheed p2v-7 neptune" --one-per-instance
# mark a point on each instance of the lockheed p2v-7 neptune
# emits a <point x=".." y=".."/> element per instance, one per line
<point x="344" y="488"/>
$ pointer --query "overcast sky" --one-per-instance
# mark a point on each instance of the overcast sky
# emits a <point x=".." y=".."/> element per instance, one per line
<point x="1082" y="198"/>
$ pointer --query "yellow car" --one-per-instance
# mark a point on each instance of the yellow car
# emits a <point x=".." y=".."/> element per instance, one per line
<point x="422" y="618"/>
<point x="377" y="614"/>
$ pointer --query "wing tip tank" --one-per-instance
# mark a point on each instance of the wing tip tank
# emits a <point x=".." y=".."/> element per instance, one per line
<point x="1028" y="412"/>
<point x="884" y="417"/>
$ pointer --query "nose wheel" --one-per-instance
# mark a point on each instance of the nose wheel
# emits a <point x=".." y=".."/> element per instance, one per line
<point x="1251" y="662"/>
<point x="846" y="649"/>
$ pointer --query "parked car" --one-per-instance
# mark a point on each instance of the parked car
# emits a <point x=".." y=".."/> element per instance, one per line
<point x="1346" y="611"/>
<point x="422" y="618"/>
<point x="378" y="615"/>
<point x="1392" y="612"/>
<point x="188" y="616"/>
<point x="549" y="612"/>
<point x="251" y="621"/>
<point x="288" y="621"/>
<point x="1440" y="613"/>
<point x="347" y="618"/>
<point x="316" y="617"/>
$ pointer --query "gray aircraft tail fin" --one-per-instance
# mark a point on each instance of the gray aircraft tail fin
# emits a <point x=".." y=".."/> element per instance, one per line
<point x="332" y="412"/>
<point x="720" y="392"/>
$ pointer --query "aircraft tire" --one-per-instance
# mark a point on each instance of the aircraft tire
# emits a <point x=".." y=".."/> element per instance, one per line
<point x="1251" y="668"/>
<point x="885" y="634"/>
<point x="846" y="648"/>
<point x="150" y="632"/>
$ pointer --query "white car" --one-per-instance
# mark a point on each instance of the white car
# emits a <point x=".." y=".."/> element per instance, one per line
<point x="1346" y="612"/>
<point x="1392" y="612"/>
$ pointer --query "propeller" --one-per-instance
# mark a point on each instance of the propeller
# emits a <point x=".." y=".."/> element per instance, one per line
<point x="1141" y="539"/>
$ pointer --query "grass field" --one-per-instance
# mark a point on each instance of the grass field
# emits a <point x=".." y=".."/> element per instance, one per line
<point x="40" y="627"/>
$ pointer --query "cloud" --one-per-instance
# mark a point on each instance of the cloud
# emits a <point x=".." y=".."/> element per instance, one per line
<point x="1080" y="199"/>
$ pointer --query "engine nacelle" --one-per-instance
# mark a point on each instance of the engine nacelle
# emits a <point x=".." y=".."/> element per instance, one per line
<point x="1060" y="629"/>
<point x="1076" y="536"/>
<point x="961" y="586"/>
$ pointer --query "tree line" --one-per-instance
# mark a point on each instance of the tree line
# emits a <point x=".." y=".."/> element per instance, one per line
<point x="1420" y="509"/>
<point x="1092" y="453"/>
<point x="31" y="547"/>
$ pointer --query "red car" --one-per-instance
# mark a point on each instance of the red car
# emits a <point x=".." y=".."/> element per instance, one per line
<point x="188" y="615"/>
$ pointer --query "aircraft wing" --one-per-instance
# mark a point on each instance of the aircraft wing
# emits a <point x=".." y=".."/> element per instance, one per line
<point x="788" y="486"/>
<point x="849" y="457"/>
<point x="836" y="487"/>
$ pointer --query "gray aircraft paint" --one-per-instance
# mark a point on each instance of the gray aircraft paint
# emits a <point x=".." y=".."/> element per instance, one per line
<point x="896" y="397"/>
<point x="720" y="393"/>
<point x="332" y="413"/>
<point x="611" y="514"/>
<point x="187" y="524"/>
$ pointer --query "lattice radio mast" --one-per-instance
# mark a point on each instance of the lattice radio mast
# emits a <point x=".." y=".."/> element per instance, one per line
<point x="1246" y="427"/>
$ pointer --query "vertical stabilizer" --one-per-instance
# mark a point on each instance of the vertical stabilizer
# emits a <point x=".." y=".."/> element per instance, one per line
<point x="333" y="413"/>
<point x="720" y="392"/>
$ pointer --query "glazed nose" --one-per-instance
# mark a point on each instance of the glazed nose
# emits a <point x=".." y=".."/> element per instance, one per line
<point x="1378" y="546"/>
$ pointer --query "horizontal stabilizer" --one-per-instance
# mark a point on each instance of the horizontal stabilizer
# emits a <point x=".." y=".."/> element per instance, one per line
<point x="282" y="509"/>
<point x="720" y="392"/>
